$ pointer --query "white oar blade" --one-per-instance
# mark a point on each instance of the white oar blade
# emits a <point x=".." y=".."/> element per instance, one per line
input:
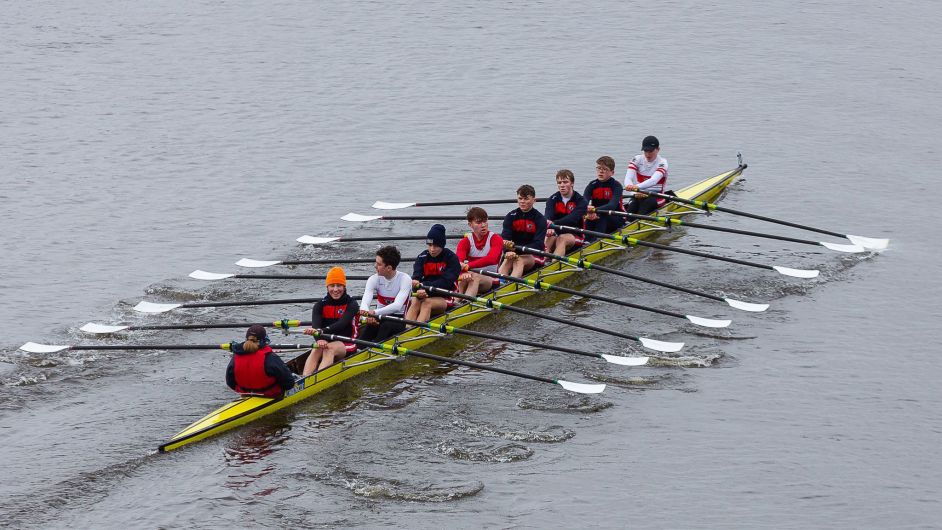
<point x="357" y="218"/>
<point x="254" y="263"/>
<point x="581" y="388"/>
<point x="33" y="347"/>
<point x="380" y="205"/>
<point x="625" y="361"/>
<point x="709" y="322"/>
<point x="842" y="248"/>
<point x="796" y="273"/>
<point x="659" y="345"/>
<point x="203" y="275"/>
<point x="150" y="307"/>
<point x="312" y="240"/>
<point x="746" y="306"/>
<point x="101" y="329"/>
<point x="869" y="242"/>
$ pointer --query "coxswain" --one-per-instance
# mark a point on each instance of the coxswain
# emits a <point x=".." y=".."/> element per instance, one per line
<point x="566" y="207"/>
<point x="480" y="249"/>
<point x="524" y="226"/>
<point x="391" y="289"/>
<point x="604" y="193"/>
<point x="255" y="369"/>
<point x="436" y="266"/>
<point x="335" y="314"/>
<point x="647" y="172"/>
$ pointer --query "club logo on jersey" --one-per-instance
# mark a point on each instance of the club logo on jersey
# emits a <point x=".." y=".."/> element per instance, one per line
<point x="433" y="269"/>
<point x="524" y="225"/>
<point x="602" y="194"/>
<point x="564" y="209"/>
<point x="333" y="311"/>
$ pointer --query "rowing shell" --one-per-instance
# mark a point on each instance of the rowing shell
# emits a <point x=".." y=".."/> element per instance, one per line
<point x="248" y="409"/>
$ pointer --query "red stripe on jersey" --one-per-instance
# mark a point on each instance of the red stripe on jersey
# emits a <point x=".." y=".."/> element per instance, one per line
<point x="433" y="268"/>
<point x="602" y="193"/>
<point x="525" y="226"/>
<point x="333" y="311"/>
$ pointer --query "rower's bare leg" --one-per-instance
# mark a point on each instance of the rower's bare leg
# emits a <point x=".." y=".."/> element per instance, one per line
<point x="464" y="285"/>
<point x="550" y="242"/>
<point x="506" y="265"/>
<point x="334" y="352"/>
<point x="431" y="307"/>
<point x="413" y="311"/>
<point x="563" y="244"/>
<point x="313" y="359"/>
<point x="523" y="263"/>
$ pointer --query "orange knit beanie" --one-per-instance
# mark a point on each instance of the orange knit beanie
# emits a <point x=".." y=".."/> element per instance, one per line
<point x="336" y="275"/>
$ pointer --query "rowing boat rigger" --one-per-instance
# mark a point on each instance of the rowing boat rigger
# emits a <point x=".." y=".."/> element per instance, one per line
<point x="247" y="409"/>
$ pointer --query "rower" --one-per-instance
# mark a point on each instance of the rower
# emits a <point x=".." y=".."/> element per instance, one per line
<point x="436" y="266"/>
<point x="647" y="172"/>
<point x="255" y="369"/>
<point x="478" y="250"/>
<point x="604" y="193"/>
<point x="523" y="226"/>
<point x="567" y="208"/>
<point x="334" y="314"/>
<point x="391" y="289"/>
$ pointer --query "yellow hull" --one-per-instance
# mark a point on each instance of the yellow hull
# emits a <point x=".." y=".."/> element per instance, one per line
<point x="247" y="409"/>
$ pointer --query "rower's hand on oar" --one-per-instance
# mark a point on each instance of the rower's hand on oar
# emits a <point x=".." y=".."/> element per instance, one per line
<point x="591" y="215"/>
<point x="309" y="331"/>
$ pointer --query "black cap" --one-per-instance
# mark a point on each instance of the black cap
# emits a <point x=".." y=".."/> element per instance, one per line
<point x="257" y="331"/>
<point x="436" y="235"/>
<point x="650" y="143"/>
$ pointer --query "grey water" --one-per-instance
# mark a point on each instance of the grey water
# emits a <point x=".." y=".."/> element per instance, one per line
<point x="141" y="141"/>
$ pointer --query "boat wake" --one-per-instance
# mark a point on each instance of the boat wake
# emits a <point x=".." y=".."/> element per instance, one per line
<point x="399" y="490"/>
<point x="553" y="434"/>
<point x="571" y="405"/>
<point x="500" y="454"/>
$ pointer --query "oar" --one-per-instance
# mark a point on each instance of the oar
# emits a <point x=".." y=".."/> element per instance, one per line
<point x="667" y="221"/>
<point x="744" y="306"/>
<point x="34" y="347"/>
<point x="797" y="273"/>
<point x="656" y="345"/>
<point x="700" y="321"/>
<point x="254" y="263"/>
<point x="868" y="242"/>
<point x="380" y="205"/>
<point x="445" y="328"/>
<point x="359" y="218"/>
<point x="150" y="307"/>
<point x="581" y="388"/>
<point x="209" y="276"/>
<point x="317" y="240"/>
<point x="101" y="329"/>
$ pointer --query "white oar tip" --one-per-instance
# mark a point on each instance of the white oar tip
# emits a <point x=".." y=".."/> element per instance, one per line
<point x="709" y="322"/>
<point x="869" y="242"/>
<point x="34" y="347"/>
<point x="358" y="218"/>
<point x="150" y="307"/>
<point x="380" y="205"/>
<point x="254" y="263"/>
<point x="796" y="273"/>
<point x="658" y="345"/>
<point x="746" y="306"/>
<point x="203" y="275"/>
<point x="853" y="249"/>
<point x="312" y="240"/>
<point x="581" y="388"/>
<point x="625" y="361"/>
<point x="92" y="327"/>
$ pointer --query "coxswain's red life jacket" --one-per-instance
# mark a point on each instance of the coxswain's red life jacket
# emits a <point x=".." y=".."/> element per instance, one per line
<point x="250" y="374"/>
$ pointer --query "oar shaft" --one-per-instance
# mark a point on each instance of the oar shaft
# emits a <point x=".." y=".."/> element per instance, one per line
<point x="710" y="206"/>
<point x="250" y="302"/>
<point x="550" y="287"/>
<point x="497" y="305"/>
<point x="594" y="266"/>
<point x="447" y="360"/>
<point x="678" y="222"/>
<point x="293" y="277"/>
<point x="394" y="238"/>
<point x="330" y="261"/>
<point x="444" y="328"/>
<point x="462" y="203"/>
<point x="632" y="241"/>
<point x="221" y="325"/>
<point x="129" y="347"/>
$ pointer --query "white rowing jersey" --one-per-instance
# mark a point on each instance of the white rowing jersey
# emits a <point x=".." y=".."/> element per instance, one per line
<point x="647" y="176"/>
<point x="474" y="251"/>
<point x="391" y="295"/>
